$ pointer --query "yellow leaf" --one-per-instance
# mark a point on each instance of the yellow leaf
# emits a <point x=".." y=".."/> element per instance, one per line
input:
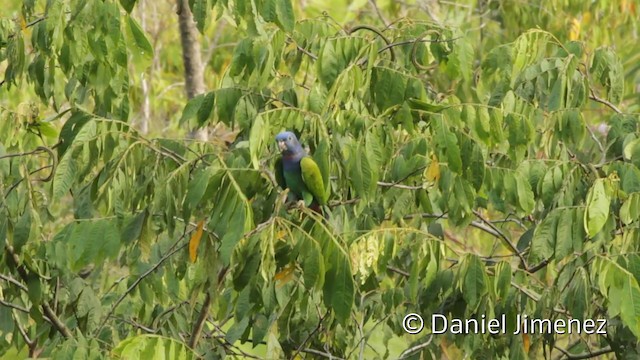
<point x="281" y="234"/>
<point x="432" y="173"/>
<point x="526" y="342"/>
<point x="285" y="275"/>
<point x="23" y="23"/>
<point x="574" y="29"/>
<point x="195" y="241"/>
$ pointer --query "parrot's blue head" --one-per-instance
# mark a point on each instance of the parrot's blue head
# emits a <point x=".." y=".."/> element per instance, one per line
<point x="288" y="143"/>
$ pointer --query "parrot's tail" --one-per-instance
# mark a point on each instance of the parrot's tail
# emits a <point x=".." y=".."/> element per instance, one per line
<point x="315" y="207"/>
<point x="319" y="209"/>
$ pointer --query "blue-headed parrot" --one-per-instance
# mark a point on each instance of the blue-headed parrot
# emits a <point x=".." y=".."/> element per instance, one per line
<point x="299" y="173"/>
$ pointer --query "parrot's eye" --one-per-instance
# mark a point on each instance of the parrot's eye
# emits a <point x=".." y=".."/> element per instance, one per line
<point x="289" y="138"/>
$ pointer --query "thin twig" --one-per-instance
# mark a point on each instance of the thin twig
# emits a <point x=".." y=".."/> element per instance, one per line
<point x="28" y="25"/>
<point x="321" y="353"/>
<point x="333" y="204"/>
<point x="399" y="186"/>
<point x="139" y="326"/>
<point x="416" y="348"/>
<point x="227" y="345"/>
<point x="199" y="324"/>
<point x="46" y="309"/>
<point x="586" y="355"/>
<point x="30" y="343"/>
<point x="507" y="241"/>
<point x="139" y="279"/>
<point x="299" y="349"/>
<point x="595" y="98"/>
<point x="14" y="282"/>
<point x="14" y="306"/>
<point x="398" y="271"/>
<point x="603" y="158"/>
<point x="412" y="41"/>
<point x="377" y="10"/>
<point x="306" y="52"/>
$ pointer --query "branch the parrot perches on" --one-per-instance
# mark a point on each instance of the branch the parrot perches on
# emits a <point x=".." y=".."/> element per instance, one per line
<point x="299" y="173"/>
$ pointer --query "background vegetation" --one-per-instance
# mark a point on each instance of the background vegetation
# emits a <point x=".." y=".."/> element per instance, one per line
<point x="482" y="158"/>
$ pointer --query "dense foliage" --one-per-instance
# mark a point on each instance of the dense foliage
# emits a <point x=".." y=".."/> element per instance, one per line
<point x="482" y="157"/>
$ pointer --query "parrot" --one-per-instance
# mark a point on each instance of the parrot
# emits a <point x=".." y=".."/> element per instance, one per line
<point x="298" y="172"/>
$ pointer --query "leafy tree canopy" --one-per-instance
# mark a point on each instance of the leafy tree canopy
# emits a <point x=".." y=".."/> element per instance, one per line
<point x="480" y="159"/>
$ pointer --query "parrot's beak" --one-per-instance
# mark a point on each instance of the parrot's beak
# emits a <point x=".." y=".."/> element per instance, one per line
<point x="282" y="145"/>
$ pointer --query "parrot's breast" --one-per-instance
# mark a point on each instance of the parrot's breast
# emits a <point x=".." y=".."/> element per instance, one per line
<point x="293" y="179"/>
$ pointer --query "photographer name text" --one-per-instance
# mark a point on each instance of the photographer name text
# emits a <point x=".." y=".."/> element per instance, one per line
<point x="413" y="324"/>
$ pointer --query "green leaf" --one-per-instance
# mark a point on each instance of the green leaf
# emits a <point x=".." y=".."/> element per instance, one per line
<point x="237" y="329"/>
<point x="92" y="242"/>
<point x="64" y="176"/>
<point x="557" y="97"/>
<point x="607" y="69"/>
<point x="447" y="143"/>
<point x="257" y="140"/>
<point x="152" y="347"/>
<point x="70" y="129"/>
<point x="192" y="108"/>
<point x="195" y="191"/>
<point x="630" y="309"/>
<point x="34" y="292"/>
<point x="474" y="285"/>
<point x="387" y="87"/>
<point x="339" y="288"/>
<point x="313" y="265"/>
<point x="503" y="280"/>
<point x="544" y="237"/>
<point x="425" y="106"/>
<point x="22" y="231"/>
<point x="284" y="15"/>
<point x="133" y="227"/>
<point x="89" y="306"/>
<point x="141" y="44"/>
<point x="200" y="10"/>
<point x="128" y="5"/>
<point x="630" y="210"/>
<point x="597" y="211"/>
<point x="226" y="101"/>
<point x="204" y="111"/>
<point x="460" y="61"/>
<point x="564" y="233"/>
<point x="525" y="194"/>
<point x="577" y="300"/>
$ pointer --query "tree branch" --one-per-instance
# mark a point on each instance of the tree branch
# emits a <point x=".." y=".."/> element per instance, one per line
<point x="139" y="326"/>
<point x="595" y="98"/>
<point x="46" y="309"/>
<point x="506" y="240"/>
<point x="199" y="324"/>
<point x="405" y="354"/>
<point x="14" y="282"/>
<point x="586" y="355"/>
<point x="399" y="186"/>
<point x="307" y="52"/>
<point x="379" y="33"/>
<point x="14" y="306"/>
<point x="299" y="349"/>
<point x="31" y="343"/>
<point x="377" y="10"/>
<point x="321" y="353"/>
<point x="139" y="279"/>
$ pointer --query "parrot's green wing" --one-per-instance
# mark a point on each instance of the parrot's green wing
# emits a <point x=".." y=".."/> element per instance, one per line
<point x="279" y="173"/>
<point x="313" y="179"/>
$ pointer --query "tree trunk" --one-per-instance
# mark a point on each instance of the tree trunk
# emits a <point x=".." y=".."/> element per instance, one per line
<point x="143" y="125"/>
<point x="193" y="70"/>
